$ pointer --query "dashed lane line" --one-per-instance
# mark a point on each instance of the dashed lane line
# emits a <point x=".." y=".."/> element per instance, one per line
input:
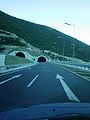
<point x="10" y="79"/>
<point x="32" y="81"/>
<point x="10" y="72"/>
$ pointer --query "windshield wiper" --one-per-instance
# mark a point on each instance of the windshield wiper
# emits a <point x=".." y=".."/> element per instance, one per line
<point x="48" y="111"/>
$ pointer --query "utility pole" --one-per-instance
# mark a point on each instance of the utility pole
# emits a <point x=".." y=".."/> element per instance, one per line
<point x="73" y="54"/>
<point x="63" y="48"/>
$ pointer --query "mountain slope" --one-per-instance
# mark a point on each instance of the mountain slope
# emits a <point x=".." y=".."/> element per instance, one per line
<point x="44" y="37"/>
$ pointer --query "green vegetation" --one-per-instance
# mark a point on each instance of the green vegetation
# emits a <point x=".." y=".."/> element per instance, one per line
<point x="10" y="41"/>
<point x="2" y="48"/>
<point x="33" y="53"/>
<point x="44" y="37"/>
<point x="15" y="60"/>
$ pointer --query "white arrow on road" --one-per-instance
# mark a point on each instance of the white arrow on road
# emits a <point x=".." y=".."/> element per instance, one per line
<point x="69" y="93"/>
<point x="10" y="79"/>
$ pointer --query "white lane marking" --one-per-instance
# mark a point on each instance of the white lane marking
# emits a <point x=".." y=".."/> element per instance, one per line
<point x="2" y="74"/>
<point x="9" y="72"/>
<point x="32" y="81"/>
<point x="69" y="93"/>
<point x="10" y="79"/>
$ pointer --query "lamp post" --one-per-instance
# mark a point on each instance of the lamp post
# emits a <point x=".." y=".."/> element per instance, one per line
<point x="63" y="48"/>
<point x="73" y="54"/>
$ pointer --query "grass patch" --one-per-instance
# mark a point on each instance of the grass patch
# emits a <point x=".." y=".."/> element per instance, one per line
<point x="83" y="73"/>
<point x="16" y="60"/>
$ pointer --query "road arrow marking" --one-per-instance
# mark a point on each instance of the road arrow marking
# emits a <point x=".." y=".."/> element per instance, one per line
<point x="69" y="93"/>
<point x="10" y="79"/>
<point x="32" y="81"/>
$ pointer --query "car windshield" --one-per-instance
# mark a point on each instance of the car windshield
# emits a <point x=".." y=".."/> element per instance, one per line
<point x="44" y="57"/>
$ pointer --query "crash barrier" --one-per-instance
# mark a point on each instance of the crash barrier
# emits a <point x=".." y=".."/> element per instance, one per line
<point x="78" y="66"/>
<point x="8" y="68"/>
<point x="82" y="66"/>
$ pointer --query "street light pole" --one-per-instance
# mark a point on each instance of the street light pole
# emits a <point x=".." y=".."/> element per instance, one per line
<point x="74" y="43"/>
<point x="63" y="48"/>
<point x="73" y="55"/>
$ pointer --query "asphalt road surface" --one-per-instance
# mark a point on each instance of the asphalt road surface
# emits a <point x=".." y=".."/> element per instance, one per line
<point x="40" y="84"/>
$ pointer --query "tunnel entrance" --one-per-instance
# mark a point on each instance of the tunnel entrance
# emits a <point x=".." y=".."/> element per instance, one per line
<point x="41" y="59"/>
<point x="20" y="54"/>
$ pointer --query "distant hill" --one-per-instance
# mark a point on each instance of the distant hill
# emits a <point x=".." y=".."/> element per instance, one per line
<point x="44" y="37"/>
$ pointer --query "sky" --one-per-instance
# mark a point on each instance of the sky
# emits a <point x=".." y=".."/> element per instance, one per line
<point x="54" y="13"/>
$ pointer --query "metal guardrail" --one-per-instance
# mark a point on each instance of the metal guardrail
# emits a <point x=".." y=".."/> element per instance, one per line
<point x="8" y="68"/>
<point x="82" y="66"/>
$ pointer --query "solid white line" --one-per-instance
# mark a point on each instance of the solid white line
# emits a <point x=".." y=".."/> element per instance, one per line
<point x="69" y="93"/>
<point x="10" y="79"/>
<point x="32" y="81"/>
<point x="9" y="72"/>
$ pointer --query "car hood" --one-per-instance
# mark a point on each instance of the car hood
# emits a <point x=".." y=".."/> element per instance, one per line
<point x="45" y="111"/>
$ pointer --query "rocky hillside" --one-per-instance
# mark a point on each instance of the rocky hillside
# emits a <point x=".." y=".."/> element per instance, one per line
<point x="44" y="37"/>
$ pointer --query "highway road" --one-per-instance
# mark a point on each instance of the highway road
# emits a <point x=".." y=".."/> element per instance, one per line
<point x="39" y="84"/>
